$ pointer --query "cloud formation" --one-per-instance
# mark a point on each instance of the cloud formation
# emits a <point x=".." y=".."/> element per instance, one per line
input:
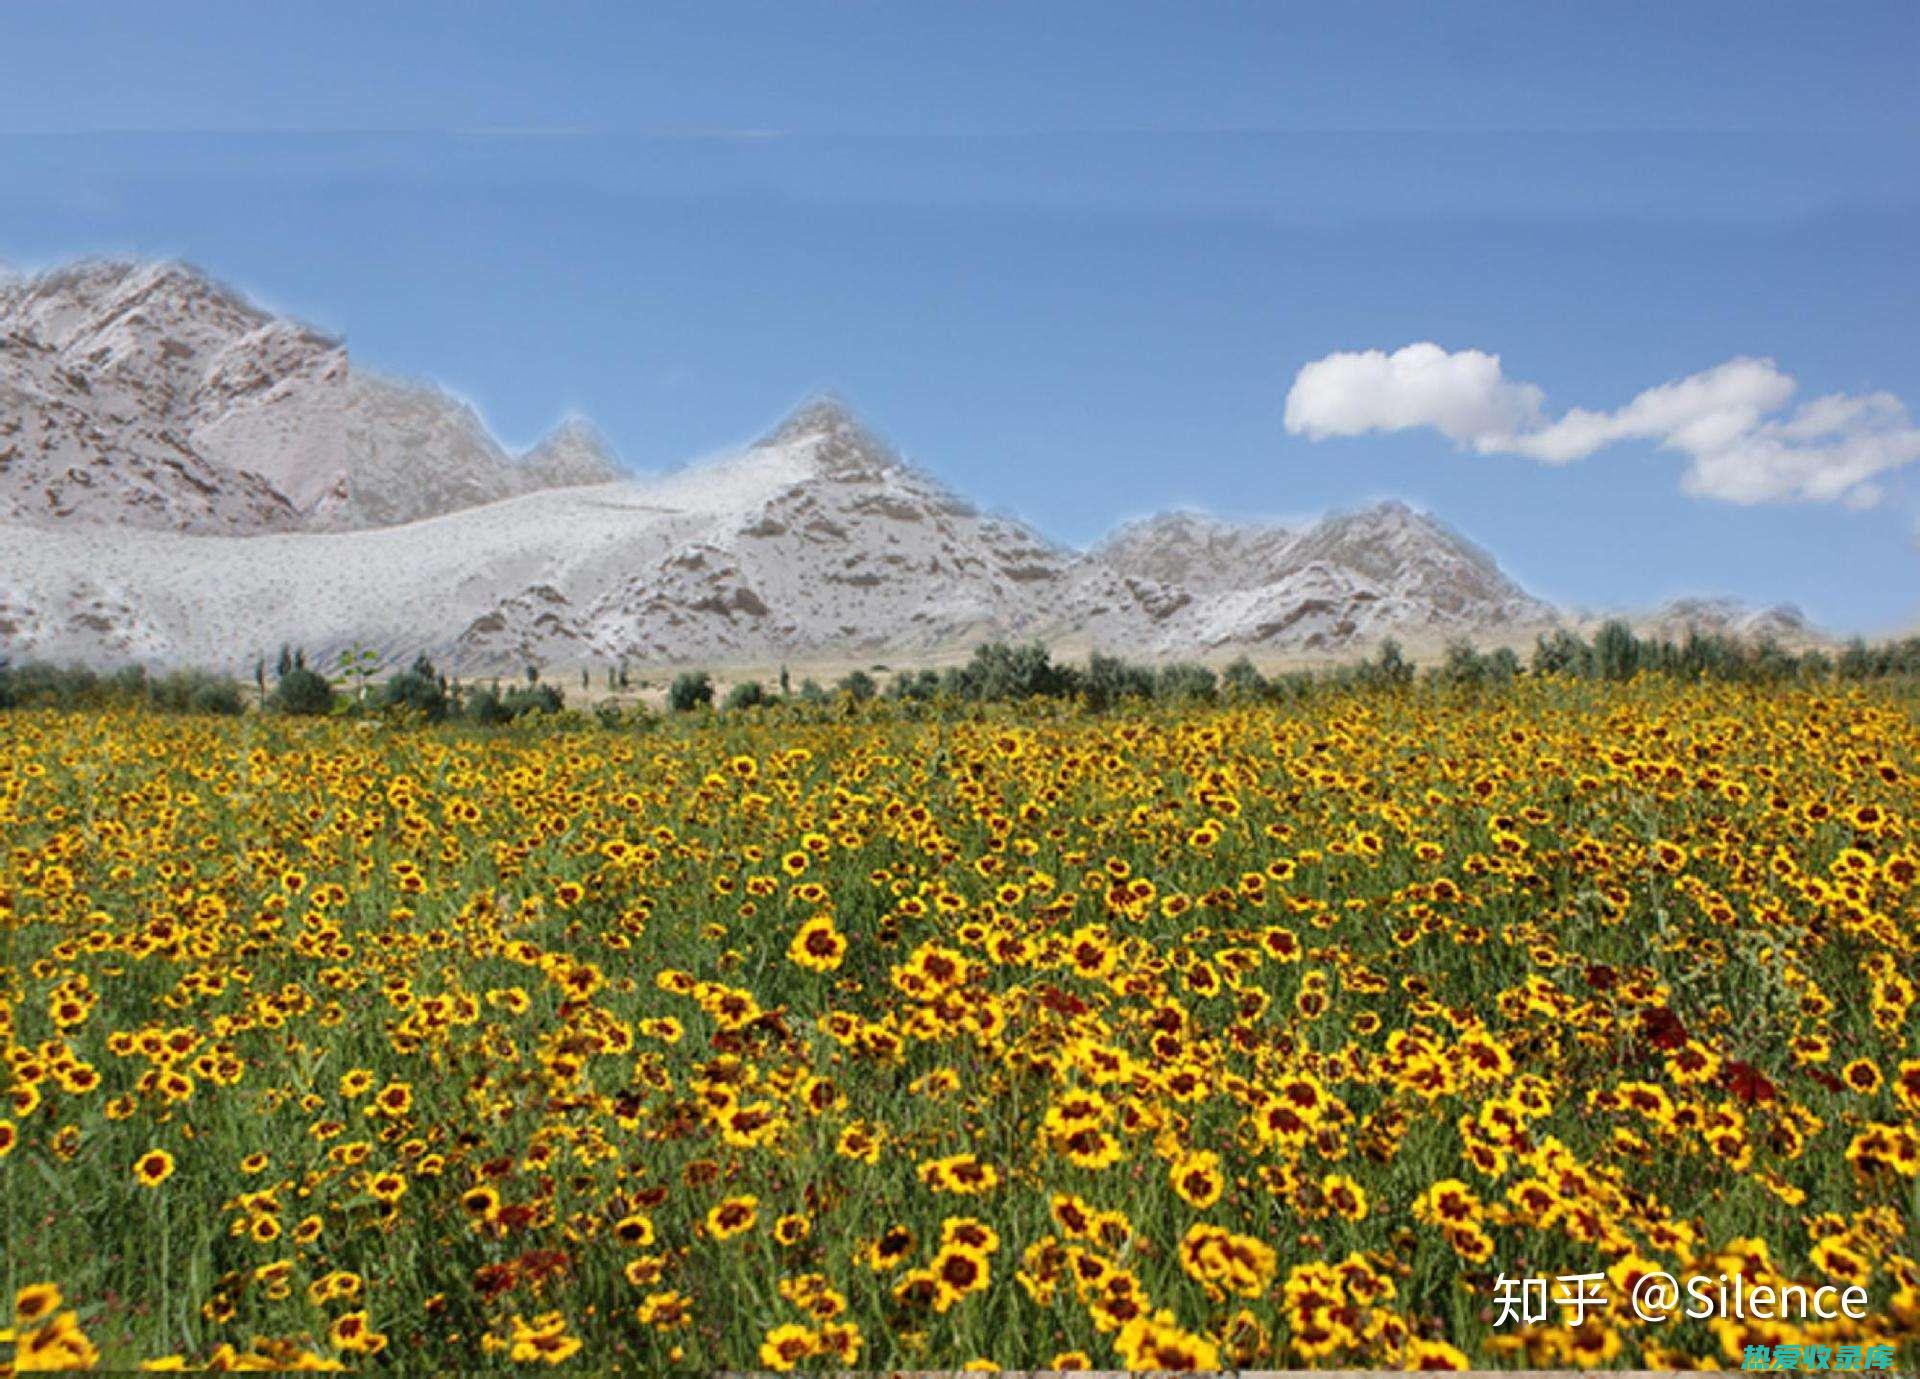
<point x="1730" y="421"/>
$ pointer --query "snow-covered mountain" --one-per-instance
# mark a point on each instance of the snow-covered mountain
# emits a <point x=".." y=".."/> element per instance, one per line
<point x="147" y="395"/>
<point x="188" y="479"/>
<point x="1369" y="572"/>
<point x="819" y="537"/>
<point x="1779" y="622"/>
<point x="1197" y="552"/>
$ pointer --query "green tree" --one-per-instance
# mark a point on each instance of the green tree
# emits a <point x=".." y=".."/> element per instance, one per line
<point x="858" y="686"/>
<point x="419" y="689"/>
<point x="748" y="694"/>
<point x="300" y="691"/>
<point x="692" y="689"/>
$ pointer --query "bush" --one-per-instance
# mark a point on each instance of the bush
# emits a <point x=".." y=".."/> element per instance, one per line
<point x="37" y="685"/>
<point x="691" y="690"/>
<point x="914" y="687"/>
<point x="520" y="701"/>
<point x="1616" y="652"/>
<point x="1242" y="682"/>
<point x="748" y="694"/>
<point x="196" y="691"/>
<point x="419" y="689"/>
<point x="858" y="686"/>
<point x="1388" y="669"/>
<point x="1185" y="682"/>
<point x="303" y="692"/>
<point x="491" y="708"/>
<point x="1109" y="680"/>
<point x="485" y="707"/>
<point x="1563" y="653"/>
<point x="999" y="673"/>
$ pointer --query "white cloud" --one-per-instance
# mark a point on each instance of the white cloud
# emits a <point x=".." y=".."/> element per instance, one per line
<point x="1462" y="395"/>
<point x="1728" y="420"/>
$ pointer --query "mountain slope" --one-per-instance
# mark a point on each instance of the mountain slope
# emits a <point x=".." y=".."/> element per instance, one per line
<point x="574" y="452"/>
<point x="1352" y="575"/>
<point x="147" y="395"/>
<point x="1197" y="552"/>
<point x="819" y="537"/>
<point x="97" y="403"/>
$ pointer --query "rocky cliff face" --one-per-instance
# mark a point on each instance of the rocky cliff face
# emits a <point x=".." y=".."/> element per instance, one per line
<point x="1198" y="553"/>
<point x="146" y="395"/>
<point x="817" y="538"/>
<point x="1352" y="575"/>
<point x="101" y="370"/>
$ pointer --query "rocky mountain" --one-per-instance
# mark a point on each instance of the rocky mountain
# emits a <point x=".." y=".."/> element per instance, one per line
<point x="1370" y="572"/>
<point x="574" y="452"/>
<point x="818" y="537"/>
<point x="1779" y="622"/>
<point x="146" y="395"/>
<point x="186" y="478"/>
<point x="1198" y="552"/>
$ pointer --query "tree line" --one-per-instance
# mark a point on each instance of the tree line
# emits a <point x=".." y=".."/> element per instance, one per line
<point x="997" y="672"/>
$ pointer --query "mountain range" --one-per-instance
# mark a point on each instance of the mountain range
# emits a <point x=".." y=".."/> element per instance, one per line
<point x="186" y="478"/>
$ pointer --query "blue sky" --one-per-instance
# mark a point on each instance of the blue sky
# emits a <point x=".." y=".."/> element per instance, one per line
<point x="1074" y="257"/>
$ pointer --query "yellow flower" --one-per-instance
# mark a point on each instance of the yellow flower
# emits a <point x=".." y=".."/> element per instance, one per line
<point x="153" y="1168"/>
<point x="787" y="1346"/>
<point x="35" y="1302"/>
<point x="732" y="1217"/>
<point x="817" y="945"/>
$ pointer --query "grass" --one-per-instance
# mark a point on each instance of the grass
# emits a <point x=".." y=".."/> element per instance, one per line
<point x="1282" y="1031"/>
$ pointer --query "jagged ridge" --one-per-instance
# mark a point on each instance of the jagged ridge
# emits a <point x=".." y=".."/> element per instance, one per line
<point x="148" y="395"/>
<point x="144" y="408"/>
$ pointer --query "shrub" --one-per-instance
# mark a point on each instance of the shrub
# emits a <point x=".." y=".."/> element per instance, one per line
<point x="915" y="687"/>
<point x="196" y="691"/>
<point x="1388" y="669"/>
<point x="1109" y="680"/>
<point x="303" y="692"/>
<point x="999" y="673"/>
<point x="419" y="689"/>
<point x="38" y="685"/>
<point x="1242" y="682"/>
<point x="485" y="707"/>
<point x="520" y="701"/>
<point x="1185" y="682"/>
<point x="748" y="694"/>
<point x="1562" y="653"/>
<point x="690" y="690"/>
<point x="1616" y="652"/>
<point x="489" y="707"/>
<point x="858" y="686"/>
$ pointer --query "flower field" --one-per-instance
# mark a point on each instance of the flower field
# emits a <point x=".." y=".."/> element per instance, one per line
<point x="1176" y="1038"/>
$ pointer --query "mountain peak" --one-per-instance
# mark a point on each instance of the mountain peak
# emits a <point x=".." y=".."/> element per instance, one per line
<point x="1197" y="550"/>
<point x="821" y="414"/>
<point x="834" y="437"/>
<point x="109" y="277"/>
<point x="574" y="452"/>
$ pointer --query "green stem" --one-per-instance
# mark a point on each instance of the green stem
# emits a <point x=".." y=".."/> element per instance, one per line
<point x="166" y="1295"/>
